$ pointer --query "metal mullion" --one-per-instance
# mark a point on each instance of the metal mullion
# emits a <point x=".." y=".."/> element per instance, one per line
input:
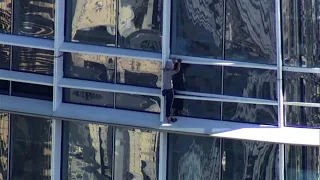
<point x="301" y="69"/>
<point x="163" y="155"/>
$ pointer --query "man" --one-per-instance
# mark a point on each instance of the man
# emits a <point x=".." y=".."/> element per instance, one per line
<point x="170" y="69"/>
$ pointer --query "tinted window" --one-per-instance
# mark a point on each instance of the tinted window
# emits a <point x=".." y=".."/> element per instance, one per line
<point x="302" y="116"/>
<point x="5" y="52"/>
<point x="4" y="87"/>
<point x="5" y="15"/>
<point x="4" y="144"/>
<point x="138" y="102"/>
<point x="32" y="91"/>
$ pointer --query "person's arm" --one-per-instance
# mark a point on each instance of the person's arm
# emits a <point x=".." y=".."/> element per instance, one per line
<point x="178" y="65"/>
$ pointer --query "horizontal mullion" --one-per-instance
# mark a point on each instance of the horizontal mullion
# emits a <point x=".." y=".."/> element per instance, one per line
<point x="107" y="87"/>
<point x="26" y="77"/>
<point x="301" y="69"/>
<point x="108" y="51"/>
<point x="25" y="41"/>
<point x="305" y="104"/>
<point x="219" y="62"/>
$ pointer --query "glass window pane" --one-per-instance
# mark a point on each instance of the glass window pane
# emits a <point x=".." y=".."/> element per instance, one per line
<point x="5" y="52"/>
<point x="253" y="113"/>
<point x="300" y="24"/>
<point x="34" y="18"/>
<point x="89" y="67"/>
<point x="198" y="78"/>
<point x="249" y="160"/>
<point x="197" y="108"/>
<point x="251" y="83"/>
<point x="32" y="91"/>
<point x="138" y="102"/>
<point x="88" y="97"/>
<point x="250" y="31"/>
<point x="301" y="87"/>
<point x="5" y="16"/>
<point x="30" y="148"/>
<point x="139" y="72"/>
<point x="92" y="22"/>
<point x="197" y="28"/>
<point x="4" y="87"/>
<point x="193" y="157"/>
<point x="87" y="151"/>
<point x="140" y="24"/>
<point x="302" y="162"/>
<point x="32" y="60"/>
<point x="136" y="154"/>
<point x="4" y="143"/>
<point x="302" y="116"/>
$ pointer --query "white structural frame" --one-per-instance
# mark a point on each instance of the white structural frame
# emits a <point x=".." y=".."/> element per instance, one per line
<point x="58" y="111"/>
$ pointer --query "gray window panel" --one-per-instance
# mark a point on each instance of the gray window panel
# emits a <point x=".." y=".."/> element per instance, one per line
<point x="30" y="148"/>
<point x="302" y="116"/>
<point x="88" y="97"/>
<point x="251" y="83"/>
<point x="87" y="151"/>
<point x="4" y="144"/>
<point x="89" y="67"/>
<point x="138" y="72"/>
<point x="140" y="24"/>
<point x="138" y="102"/>
<point x="32" y="91"/>
<point x="300" y="25"/>
<point x="249" y="160"/>
<point x="4" y="87"/>
<point x="197" y="28"/>
<point x="250" y="31"/>
<point x="302" y="162"/>
<point x="5" y="52"/>
<point x="136" y="154"/>
<point x="193" y="157"/>
<point x="34" y="18"/>
<point x="252" y="113"/>
<point x="301" y="87"/>
<point x="5" y="15"/>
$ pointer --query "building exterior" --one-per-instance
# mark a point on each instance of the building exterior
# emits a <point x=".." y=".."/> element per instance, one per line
<point x="81" y="81"/>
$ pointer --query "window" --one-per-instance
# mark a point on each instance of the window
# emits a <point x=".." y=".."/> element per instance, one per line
<point x="5" y="9"/>
<point x="5" y="52"/>
<point x="4" y="87"/>
<point x="302" y="116"/>
<point x="138" y="102"/>
<point x="4" y="144"/>
<point x="32" y="91"/>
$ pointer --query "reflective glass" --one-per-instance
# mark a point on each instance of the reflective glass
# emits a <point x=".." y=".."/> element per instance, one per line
<point x="5" y="16"/>
<point x="301" y="87"/>
<point x="140" y="24"/>
<point x="300" y="28"/>
<point x="249" y="160"/>
<point x="89" y="67"/>
<point x="193" y="157"/>
<point x="253" y="113"/>
<point x="250" y="31"/>
<point x="136" y="154"/>
<point x="5" y="52"/>
<point x="4" y="144"/>
<point x="32" y="91"/>
<point x="92" y="22"/>
<point x="88" y="97"/>
<point x="4" y="87"/>
<point x="138" y="102"/>
<point x="302" y="116"/>
<point x="139" y="72"/>
<point x="302" y="162"/>
<point x="251" y="83"/>
<point x="30" y="148"/>
<point x="198" y="78"/>
<point x="197" y="108"/>
<point x="34" y="18"/>
<point x="87" y="151"/>
<point x="32" y="60"/>
<point x="197" y="28"/>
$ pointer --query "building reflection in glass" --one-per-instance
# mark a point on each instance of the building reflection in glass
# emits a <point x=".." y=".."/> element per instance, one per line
<point x="138" y="102"/>
<point x="4" y="144"/>
<point x="302" y="116"/>
<point x="5" y="16"/>
<point x="5" y="52"/>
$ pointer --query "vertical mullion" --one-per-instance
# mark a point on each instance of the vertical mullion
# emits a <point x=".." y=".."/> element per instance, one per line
<point x="163" y="151"/>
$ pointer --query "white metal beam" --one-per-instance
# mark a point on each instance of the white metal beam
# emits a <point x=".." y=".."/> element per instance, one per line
<point x="304" y="104"/>
<point x="26" y="41"/>
<point x="26" y="77"/>
<point x="301" y="69"/>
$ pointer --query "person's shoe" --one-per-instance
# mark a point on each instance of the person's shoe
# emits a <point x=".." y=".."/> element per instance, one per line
<point x="171" y="119"/>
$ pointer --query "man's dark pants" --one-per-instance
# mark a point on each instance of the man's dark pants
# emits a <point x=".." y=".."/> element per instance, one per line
<point x="169" y="94"/>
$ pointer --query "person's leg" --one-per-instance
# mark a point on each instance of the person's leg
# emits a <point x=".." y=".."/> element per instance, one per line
<point x="172" y="100"/>
<point x="168" y="104"/>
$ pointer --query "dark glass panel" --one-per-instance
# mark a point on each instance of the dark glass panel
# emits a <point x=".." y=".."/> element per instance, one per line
<point x="197" y="28"/>
<point x="301" y="87"/>
<point x="89" y="67"/>
<point x="138" y="102"/>
<point x="193" y="157"/>
<point x="302" y="162"/>
<point x="253" y="113"/>
<point x="140" y="24"/>
<point x="32" y="60"/>
<point x="5" y="52"/>
<point x="4" y="144"/>
<point x="139" y="72"/>
<point x="249" y="160"/>
<point x="197" y="108"/>
<point x="34" y="18"/>
<point x="92" y="22"/>
<point x="300" y="24"/>
<point x="302" y="116"/>
<point x="30" y="148"/>
<point x="88" y="97"/>
<point x="136" y="154"/>
<point x="4" y="87"/>
<point x="198" y="78"/>
<point x="32" y="91"/>
<point x="250" y="31"/>
<point x="5" y="16"/>
<point x="87" y="151"/>
<point x="251" y="83"/>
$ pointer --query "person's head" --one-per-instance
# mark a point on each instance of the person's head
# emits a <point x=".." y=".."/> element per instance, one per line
<point x="169" y="65"/>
